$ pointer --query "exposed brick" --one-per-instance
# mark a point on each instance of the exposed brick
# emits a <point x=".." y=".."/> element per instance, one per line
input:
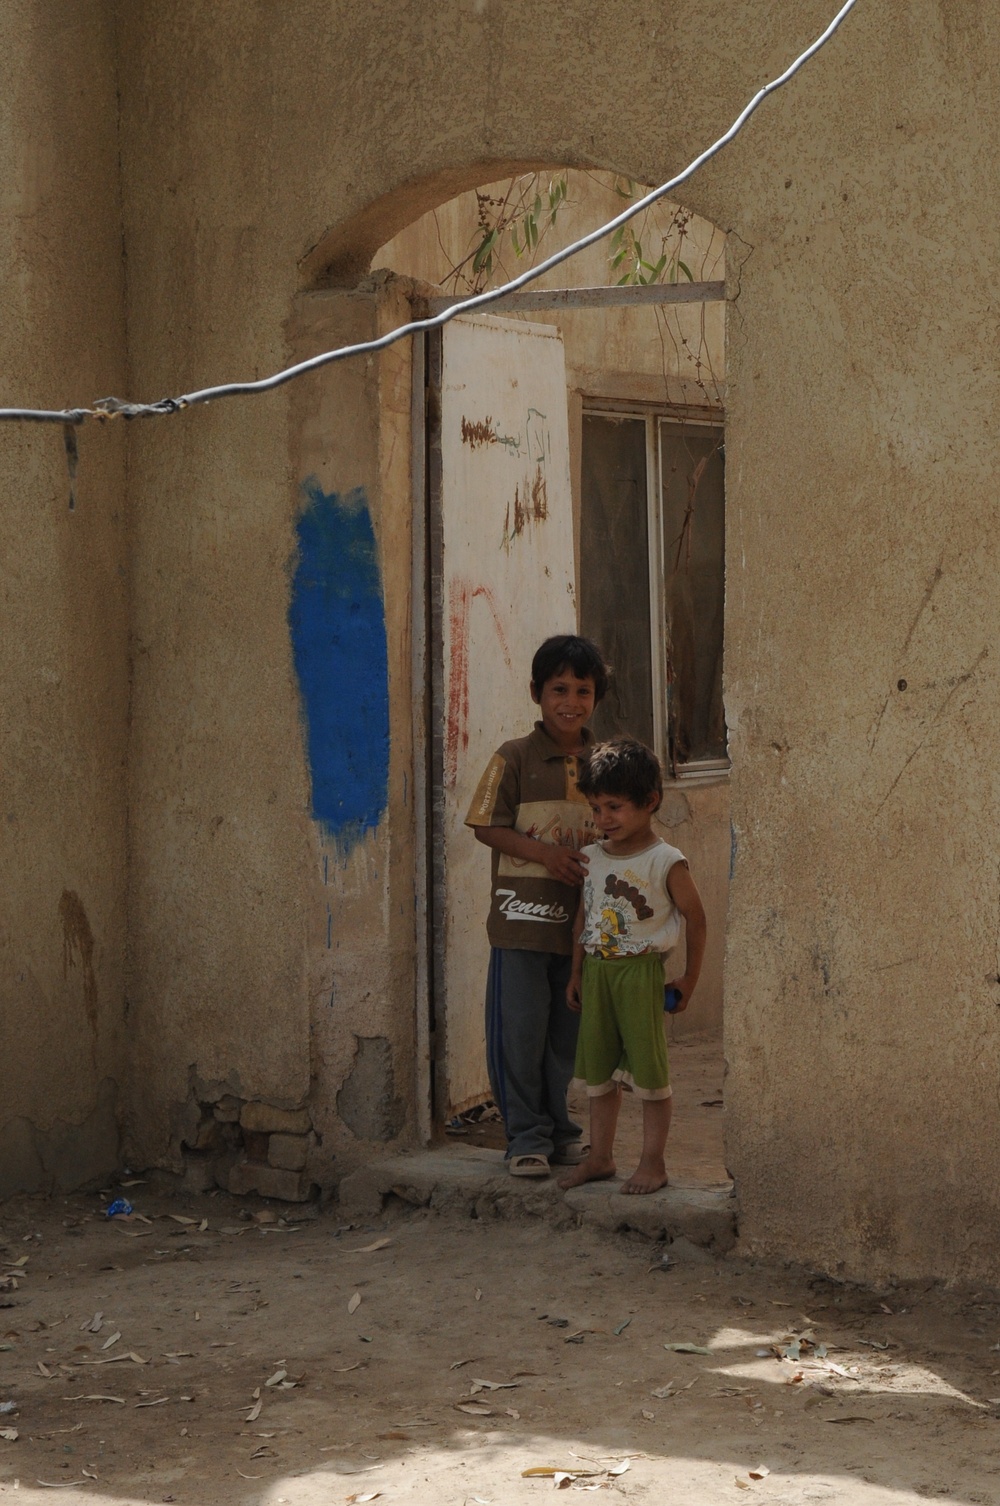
<point x="204" y="1137"/>
<point x="288" y="1151"/>
<point x="268" y="1181"/>
<point x="256" y="1144"/>
<point x="227" y="1110"/>
<point x="199" y="1174"/>
<point x="266" y="1118"/>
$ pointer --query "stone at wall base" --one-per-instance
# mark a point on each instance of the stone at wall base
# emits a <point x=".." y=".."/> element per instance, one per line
<point x="199" y="1174"/>
<point x="204" y="1137"/>
<point x="264" y="1118"/>
<point x="288" y="1152"/>
<point x="269" y="1181"/>
<point x="255" y="1144"/>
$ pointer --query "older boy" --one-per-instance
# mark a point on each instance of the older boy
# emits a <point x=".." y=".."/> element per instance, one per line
<point x="528" y="810"/>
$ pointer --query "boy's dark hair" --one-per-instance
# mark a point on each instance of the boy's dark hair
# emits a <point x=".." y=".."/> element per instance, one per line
<point x="622" y="767"/>
<point x="567" y="651"/>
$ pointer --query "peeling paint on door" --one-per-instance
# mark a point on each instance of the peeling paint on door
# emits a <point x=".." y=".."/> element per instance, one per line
<point x="461" y="595"/>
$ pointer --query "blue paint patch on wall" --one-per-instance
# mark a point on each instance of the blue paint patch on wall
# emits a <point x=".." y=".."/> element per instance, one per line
<point x="336" y="619"/>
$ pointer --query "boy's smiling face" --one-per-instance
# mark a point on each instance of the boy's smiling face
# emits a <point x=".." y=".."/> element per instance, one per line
<point x="566" y="703"/>
<point x="623" y="823"/>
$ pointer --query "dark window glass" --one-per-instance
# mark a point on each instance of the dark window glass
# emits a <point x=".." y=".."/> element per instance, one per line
<point x="692" y="478"/>
<point x="614" y="569"/>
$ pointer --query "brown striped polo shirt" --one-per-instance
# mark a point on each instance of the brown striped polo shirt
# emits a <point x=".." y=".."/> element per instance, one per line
<point x="530" y="784"/>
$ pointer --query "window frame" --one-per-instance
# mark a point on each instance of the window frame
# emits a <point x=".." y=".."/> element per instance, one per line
<point x="655" y="416"/>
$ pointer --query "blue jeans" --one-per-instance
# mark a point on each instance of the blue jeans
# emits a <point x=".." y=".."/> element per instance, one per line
<point x="531" y="1048"/>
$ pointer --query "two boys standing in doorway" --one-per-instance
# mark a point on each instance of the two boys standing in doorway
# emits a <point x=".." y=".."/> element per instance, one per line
<point x="558" y="946"/>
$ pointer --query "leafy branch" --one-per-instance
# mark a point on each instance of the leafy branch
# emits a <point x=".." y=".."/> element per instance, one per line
<point x="527" y="211"/>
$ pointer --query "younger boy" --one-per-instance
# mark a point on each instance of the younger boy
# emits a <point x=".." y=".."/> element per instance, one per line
<point x="636" y="891"/>
<point x="528" y="810"/>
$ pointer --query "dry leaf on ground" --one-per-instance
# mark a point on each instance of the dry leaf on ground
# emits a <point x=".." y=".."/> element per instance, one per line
<point x="354" y="1303"/>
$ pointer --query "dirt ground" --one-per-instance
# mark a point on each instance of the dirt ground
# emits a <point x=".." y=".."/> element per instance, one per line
<point x="206" y="1357"/>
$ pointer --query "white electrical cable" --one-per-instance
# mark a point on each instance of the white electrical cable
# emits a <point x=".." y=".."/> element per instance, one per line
<point x="113" y="408"/>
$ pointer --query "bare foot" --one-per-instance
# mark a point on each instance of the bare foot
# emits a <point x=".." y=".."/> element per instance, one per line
<point x="647" y="1177"/>
<point x="588" y="1171"/>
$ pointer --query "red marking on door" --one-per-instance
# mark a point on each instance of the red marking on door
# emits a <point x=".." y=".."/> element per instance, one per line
<point x="478" y="431"/>
<point x="460" y="598"/>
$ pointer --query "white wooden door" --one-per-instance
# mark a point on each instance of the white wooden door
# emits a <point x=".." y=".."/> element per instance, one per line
<point x="505" y="582"/>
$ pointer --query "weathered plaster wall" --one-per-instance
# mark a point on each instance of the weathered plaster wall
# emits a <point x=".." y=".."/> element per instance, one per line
<point x="261" y="144"/>
<point x="350" y="442"/>
<point x="63" y="666"/>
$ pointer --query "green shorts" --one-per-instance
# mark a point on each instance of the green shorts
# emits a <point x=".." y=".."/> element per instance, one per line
<point x="621" y="1029"/>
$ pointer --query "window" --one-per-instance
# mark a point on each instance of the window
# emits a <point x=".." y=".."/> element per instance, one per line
<point x="652" y="553"/>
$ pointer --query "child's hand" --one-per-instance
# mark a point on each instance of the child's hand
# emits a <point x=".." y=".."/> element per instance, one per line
<point x="564" y="863"/>
<point x="573" y="1001"/>
<point x="685" y="987"/>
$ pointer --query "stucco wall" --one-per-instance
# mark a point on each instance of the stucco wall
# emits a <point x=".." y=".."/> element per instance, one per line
<point x="261" y="144"/>
<point x="63" y="663"/>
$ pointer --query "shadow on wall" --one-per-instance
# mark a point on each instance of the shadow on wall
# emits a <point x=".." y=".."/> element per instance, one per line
<point x="64" y="1157"/>
<point x="336" y="619"/>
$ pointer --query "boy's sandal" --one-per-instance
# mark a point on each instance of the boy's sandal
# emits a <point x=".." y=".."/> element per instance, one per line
<point x="529" y="1166"/>
<point x="571" y="1154"/>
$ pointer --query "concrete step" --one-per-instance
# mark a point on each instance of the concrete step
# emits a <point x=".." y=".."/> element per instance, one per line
<point x="473" y="1182"/>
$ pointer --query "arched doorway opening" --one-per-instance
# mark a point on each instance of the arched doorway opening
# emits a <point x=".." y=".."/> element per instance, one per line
<point x="640" y="377"/>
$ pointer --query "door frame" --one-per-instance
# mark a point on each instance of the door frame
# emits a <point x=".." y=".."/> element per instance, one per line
<point x="428" y="687"/>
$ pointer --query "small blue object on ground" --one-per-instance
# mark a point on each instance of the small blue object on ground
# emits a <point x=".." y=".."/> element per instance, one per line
<point x="120" y="1205"/>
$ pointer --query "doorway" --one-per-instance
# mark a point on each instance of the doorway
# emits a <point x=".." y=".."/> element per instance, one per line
<point x="641" y="409"/>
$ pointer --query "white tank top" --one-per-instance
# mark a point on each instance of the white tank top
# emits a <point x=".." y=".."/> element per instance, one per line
<point x="627" y="906"/>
